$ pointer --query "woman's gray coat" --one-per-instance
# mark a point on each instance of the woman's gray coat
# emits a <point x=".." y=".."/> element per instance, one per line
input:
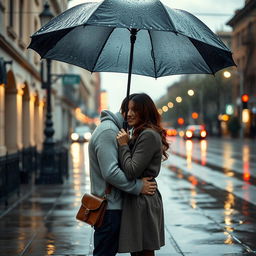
<point x="142" y="226"/>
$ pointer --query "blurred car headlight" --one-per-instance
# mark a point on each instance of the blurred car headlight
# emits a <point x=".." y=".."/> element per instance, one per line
<point x="189" y="134"/>
<point x="203" y="134"/>
<point x="87" y="136"/>
<point x="74" y="136"/>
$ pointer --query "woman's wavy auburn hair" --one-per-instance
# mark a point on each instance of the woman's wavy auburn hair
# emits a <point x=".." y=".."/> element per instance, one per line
<point x="149" y="118"/>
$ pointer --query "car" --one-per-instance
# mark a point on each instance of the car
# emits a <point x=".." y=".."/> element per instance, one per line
<point x="195" y="131"/>
<point x="81" y="134"/>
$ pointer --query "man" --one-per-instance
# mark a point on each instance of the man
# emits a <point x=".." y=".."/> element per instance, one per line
<point x="105" y="171"/>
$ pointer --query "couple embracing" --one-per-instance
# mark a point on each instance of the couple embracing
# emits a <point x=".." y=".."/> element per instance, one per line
<point x="129" y="164"/>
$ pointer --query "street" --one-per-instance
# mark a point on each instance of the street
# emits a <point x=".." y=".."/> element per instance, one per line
<point x="208" y="190"/>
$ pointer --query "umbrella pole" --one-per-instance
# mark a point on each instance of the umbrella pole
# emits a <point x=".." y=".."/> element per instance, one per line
<point x="133" y="33"/>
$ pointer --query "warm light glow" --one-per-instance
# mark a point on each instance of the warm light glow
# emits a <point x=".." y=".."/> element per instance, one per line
<point x="2" y="85"/>
<point x="225" y="118"/>
<point x="189" y="148"/>
<point x="246" y="164"/>
<point x="160" y="111"/>
<point x="194" y="115"/>
<point x="20" y="92"/>
<point x="189" y="134"/>
<point x="246" y="115"/>
<point x="181" y="121"/>
<point x="228" y="212"/>
<point x="170" y="104"/>
<point x="50" y="248"/>
<point x="78" y="110"/>
<point x="87" y="136"/>
<point x="181" y="133"/>
<point x="203" y="134"/>
<point x="245" y="98"/>
<point x="165" y="108"/>
<point x="191" y="92"/>
<point x="75" y="153"/>
<point x="74" y="136"/>
<point x="171" y="132"/>
<point x="203" y="146"/>
<point x="179" y="99"/>
<point x="193" y="180"/>
<point x="41" y="103"/>
<point x="226" y="74"/>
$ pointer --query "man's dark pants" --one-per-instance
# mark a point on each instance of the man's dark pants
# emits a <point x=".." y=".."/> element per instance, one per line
<point x="106" y="237"/>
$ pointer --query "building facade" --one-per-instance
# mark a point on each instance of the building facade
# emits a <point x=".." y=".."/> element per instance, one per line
<point x="22" y="98"/>
<point x="243" y="24"/>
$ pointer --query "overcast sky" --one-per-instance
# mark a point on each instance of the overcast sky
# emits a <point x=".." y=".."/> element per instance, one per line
<point x="115" y="83"/>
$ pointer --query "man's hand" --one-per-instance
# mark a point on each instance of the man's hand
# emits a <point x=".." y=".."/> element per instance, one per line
<point x="149" y="187"/>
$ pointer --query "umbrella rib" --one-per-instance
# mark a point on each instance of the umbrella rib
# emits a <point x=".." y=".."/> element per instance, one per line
<point x="96" y="60"/>
<point x="152" y="54"/>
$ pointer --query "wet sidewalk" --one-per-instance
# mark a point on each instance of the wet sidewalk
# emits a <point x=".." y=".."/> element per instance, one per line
<point x="44" y="223"/>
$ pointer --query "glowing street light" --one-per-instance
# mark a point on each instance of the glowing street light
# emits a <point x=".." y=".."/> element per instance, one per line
<point x="194" y="115"/>
<point x="181" y="121"/>
<point x="179" y="99"/>
<point x="226" y="74"/>
<point x="160" y="111"/>
<point x="165" y="108"/>
<point x="170" y="105"/>
<point x="191" y="92"/>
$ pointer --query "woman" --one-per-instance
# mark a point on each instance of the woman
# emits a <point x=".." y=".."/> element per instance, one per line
<point x="142" y="225"/>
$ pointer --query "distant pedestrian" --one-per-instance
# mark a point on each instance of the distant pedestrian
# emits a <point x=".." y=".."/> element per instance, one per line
<point x="105" y="171"/>
<point x="142" y="222"/>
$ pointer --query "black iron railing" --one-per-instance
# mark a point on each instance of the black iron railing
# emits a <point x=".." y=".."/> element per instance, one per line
<point x="9" y="176"/>
<point x="24" y="166"/>
<point x="29" y="164"/>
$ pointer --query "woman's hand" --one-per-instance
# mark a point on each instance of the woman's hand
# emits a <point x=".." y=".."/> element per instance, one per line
<point x="122" y="137"/>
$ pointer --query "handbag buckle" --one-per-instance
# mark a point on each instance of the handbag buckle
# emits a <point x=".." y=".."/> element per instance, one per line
<point x="87" y="211"/>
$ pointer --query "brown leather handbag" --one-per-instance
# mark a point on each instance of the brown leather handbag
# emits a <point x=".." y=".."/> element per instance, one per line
<point x="92" y="209"/>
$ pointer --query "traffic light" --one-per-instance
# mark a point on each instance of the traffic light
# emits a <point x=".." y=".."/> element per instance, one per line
<point x="245" y="99"/>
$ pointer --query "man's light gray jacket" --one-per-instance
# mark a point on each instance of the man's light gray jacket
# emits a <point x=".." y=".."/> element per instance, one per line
<point x="104" y="166"/>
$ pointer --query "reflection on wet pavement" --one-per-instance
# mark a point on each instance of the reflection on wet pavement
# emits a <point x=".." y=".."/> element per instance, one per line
<point x="209" y="208"/>
<point x="227" y="177"/>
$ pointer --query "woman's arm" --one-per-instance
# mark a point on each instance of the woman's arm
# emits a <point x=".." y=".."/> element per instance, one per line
<point x="146" y="146"/>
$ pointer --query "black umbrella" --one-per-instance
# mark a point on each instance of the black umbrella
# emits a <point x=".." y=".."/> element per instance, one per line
<point x="96" y="35"/>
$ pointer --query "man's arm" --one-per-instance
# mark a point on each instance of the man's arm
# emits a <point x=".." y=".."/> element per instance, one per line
<point x="107" y="155"/>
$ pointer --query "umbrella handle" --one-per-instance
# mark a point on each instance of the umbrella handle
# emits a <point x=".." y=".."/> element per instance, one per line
<point x="133" y="33"/>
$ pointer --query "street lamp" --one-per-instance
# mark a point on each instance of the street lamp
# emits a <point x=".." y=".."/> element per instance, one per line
<point x="3" y="63"/>
<point x="191" y="92"/>
<point x="178" y="99"/>
<point x="46" y="15"/>
<point x="240" y="75"/>
<point x="49" y="173"/>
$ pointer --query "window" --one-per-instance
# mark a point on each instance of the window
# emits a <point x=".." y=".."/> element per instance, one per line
<point x="11" y="9"/>
<point x="21" y="16"/>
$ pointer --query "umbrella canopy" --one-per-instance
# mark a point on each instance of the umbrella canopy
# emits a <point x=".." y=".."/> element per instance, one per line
<point x="95" y="36"/>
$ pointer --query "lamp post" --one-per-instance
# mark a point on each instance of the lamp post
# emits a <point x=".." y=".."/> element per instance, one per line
<point x="240" y="75"/>
<point x="49" y="173"/>
<point x="3" y="72"/>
